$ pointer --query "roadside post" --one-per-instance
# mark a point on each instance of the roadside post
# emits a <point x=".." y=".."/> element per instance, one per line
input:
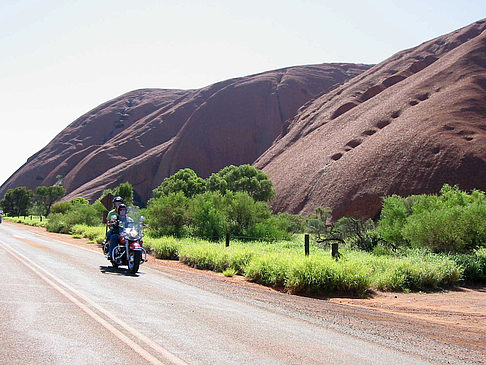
<point x="306" y="244"/>
<point x="334" y="250"/>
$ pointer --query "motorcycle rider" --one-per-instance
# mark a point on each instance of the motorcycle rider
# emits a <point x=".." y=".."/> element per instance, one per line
<point x="112" y="214"/>
<point x="122" y="220"/>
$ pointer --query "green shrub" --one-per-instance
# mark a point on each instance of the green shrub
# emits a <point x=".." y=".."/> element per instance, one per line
<point x="269" y="269"/>
<point x="243" y="213"/>
<point x="164" y="247"/>
<point x="61" y="207"/>
<point x="208" y="220"/>
<point x="168" y="215"/>
<point x="184" y="180"/>
<point x="473" y="265"/>
<point x="358" y="233"/>
<point x="392" y="220"/>
<point x="294" y="223"/>
<point x="212" y="256"/>
<point x="80" y="214"/>
<point x="243" y="178"/>
<point x="452" y="222"/>
<point x="95" y="234"/>
<point x="415" y="271"/>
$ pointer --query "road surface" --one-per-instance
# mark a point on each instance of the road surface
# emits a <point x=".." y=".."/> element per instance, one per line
<point x="62" y="303"/>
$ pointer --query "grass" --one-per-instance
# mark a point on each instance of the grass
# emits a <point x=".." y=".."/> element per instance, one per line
<point x="31" y="220"/>
<point x="94" y="234"/>
<point x="283" y="265"/>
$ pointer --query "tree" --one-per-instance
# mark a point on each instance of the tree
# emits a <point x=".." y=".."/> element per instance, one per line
<point x="359" y="233"/>
<point x="318" y="225"/>
<point x="184" y="180"/>
<point x="17" y="201"/>
<point x="45" y="196"/>
<point x="242" y="178"/>
<point x="124" y="190"/>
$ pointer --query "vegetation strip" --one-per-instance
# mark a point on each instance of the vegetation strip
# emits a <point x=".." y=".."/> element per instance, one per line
<point x="420" y="242"/>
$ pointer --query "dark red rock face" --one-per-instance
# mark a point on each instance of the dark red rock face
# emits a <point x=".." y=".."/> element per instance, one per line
<point x="406" y="126"/>
<point x="146" y="135"/>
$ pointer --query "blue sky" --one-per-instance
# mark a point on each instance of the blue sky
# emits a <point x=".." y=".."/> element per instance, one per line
<point x="61" y="58"/>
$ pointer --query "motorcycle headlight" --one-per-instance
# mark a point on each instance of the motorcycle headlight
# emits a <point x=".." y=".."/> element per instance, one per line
<point x="133" y="233"/>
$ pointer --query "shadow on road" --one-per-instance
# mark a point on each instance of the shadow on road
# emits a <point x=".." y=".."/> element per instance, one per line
<point x="116" y="271"/>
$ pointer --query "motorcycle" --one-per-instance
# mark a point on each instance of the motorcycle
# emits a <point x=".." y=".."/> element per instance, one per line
<point x="129" y="250"/>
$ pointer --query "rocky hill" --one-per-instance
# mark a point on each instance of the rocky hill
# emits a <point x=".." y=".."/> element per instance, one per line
<point x="406" y="126"/>
<point x="146" y="135"/>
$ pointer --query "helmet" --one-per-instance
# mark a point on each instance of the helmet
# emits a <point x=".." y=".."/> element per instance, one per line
<point x="117" y="199"/>
<point x="120" y="207"/>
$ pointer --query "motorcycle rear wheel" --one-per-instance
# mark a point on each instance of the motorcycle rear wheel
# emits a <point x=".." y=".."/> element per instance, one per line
<point x="135" y="264"/>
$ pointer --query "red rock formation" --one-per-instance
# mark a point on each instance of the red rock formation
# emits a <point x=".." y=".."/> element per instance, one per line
<point x="146" y="135"/>
<point x="406" y="126"/>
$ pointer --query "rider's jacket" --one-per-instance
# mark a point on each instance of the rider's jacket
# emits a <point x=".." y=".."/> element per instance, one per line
<point x="125" y="220"/>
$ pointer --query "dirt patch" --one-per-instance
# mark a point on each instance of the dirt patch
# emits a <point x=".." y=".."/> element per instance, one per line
<point x="461" y="309"/>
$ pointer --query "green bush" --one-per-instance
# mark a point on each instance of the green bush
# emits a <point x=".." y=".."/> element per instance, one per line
<point x="315" y="274"/>
<point x="168" y="215"/>
<point x="243" y="213"/>
<point x="184" y="180"/>
<point x="80" y="214"/>
<point x="243" y="178"/>
<point x="61" y="207"/>
<point x="93" y="233"/>
<point x="212" y="215"/>
<point x="393" y="218"/>
<point x="358" y="233"/>
<point x="452" y="222"/>
<point x="208" y="220"/>
<point x="216" y="257"/>
<point x="164" y="247"/>
<point x="473" y="265"/>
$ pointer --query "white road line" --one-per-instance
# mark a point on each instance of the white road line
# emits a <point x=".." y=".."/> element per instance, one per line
<point x="44" y="275"/>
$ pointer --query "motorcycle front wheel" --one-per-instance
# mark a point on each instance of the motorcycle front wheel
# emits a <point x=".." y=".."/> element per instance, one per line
<point x="134" y="264"/>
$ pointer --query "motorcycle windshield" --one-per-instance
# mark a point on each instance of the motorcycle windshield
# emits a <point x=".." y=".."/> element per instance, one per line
<point x="133" y="221"/>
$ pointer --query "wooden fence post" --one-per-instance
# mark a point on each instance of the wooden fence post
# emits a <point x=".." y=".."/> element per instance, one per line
<point x="227" y="239"/>
<point x="306" y="244"/>
<point x="334" y="250"/>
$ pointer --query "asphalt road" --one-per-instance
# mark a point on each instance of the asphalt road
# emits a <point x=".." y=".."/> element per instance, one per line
<point x="61" y="303"/>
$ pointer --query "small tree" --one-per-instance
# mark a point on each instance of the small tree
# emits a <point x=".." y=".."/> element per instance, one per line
<point x="317" y="223"/>
<point x="360" y="233"/>
<point x="124" y="190"/>
<point x="184" y="180"/>
<point x="242" y="178"/>
<point x="45" y="196"/>
<point x="17" y="201"/>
